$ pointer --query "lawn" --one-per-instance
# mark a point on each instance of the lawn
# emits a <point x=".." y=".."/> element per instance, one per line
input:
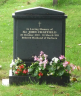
<point x="72" y="49"/>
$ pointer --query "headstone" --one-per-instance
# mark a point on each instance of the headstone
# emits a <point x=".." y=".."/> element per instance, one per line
<point x="38" y="29"/>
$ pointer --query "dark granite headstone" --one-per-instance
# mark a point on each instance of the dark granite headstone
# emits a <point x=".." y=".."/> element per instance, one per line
<point x="38" y="29"/>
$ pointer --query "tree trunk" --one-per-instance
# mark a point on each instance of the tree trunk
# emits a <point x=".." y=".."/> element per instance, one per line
<point x="55" y="2"/>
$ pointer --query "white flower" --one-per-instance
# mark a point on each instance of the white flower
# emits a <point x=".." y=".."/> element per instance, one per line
<point x="58" y="67"/>
<point x="48" y="74"/>
<point x="16" y="67"/>
<point x="39" y="68"/>
<point x="51" y="63"/>
<point x="55" y="59"/>
<point x="51" y="73"/>
<point x="28" y="70"/>
<point x="13" y="63"/>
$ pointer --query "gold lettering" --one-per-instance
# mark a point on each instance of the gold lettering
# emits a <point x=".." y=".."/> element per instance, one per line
<point x="28" y="34"/>
<point x="32" y="31"/>
<point x="26" y="37"/>
<point x="56" y="34"/>
<point x="37" y="34"/>
<point x="51" y="29"/>
<point x="24" y="31"/>
<point x="43" y="29"/>
<point x="51" y="37"/>
<point x="27" y="28"/>
<point x="21" y="34"/>
<point x="37" y="37"/>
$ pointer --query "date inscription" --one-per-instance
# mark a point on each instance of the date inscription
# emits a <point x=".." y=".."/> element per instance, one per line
<point x="39" y="33"/>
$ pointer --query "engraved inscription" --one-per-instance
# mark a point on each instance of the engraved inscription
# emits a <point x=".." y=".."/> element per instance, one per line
<point x="39" y="33"/>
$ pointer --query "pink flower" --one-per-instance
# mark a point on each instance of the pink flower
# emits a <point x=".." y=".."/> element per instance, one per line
<point x="35" y="58"/>
<point x="41" y="53"/>
<point x="66" y="70"/>
<point x="69" y="71"/>
<point x="40" y="59"/>
<point x="40" y="63"/>
<point x="45" y="62"/>
<point x="16" y="72"/>
<point x="45" y="55"/>
<point x="72" y="66"/>
<point x="65" y="63"/>
<point x="61" y="57"/>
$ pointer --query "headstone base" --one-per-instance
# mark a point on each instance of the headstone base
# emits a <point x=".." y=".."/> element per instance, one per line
<point x="45" y="79"/>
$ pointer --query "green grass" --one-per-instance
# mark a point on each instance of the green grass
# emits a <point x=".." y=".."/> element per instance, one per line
<point x="72" y="49"/>
<point x="40" y="90"/>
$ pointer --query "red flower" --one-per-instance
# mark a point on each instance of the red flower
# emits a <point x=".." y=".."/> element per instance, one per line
<point x="24" y="71"/>
<point x="19" y="70"/>
<point x="27" y="70"/>
<point x="16" y="72"/>
<point x="22" y="66"/>
<point x="40" y="74"/>
<point x="68" y="62"/>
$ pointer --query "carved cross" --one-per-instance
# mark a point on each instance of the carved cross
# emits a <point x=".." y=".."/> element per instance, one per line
<point x="39" y="23"/>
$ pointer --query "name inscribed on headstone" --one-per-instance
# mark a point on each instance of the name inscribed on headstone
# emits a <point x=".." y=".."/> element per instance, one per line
<point x="39" y="33"/>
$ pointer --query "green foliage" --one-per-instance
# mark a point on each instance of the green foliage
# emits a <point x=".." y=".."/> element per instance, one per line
<point x="3" y="2"/>
<point x="69" y="2"/>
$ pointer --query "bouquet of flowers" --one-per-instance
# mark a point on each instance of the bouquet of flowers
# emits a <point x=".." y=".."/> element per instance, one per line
<point x="56" y="67"/>
<point x="42" y="67"/>
<point x="19" y="68"/>
<point x="39" y="67"/>
<point x="60" y="67"/>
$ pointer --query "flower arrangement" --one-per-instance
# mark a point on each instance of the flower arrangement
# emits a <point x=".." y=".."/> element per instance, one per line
<point x="42" y="67"/>
<point x="19" y="67"/>
<point x="39" y="67"/>
<point x="60" y="67"/>
<point x="56" y="67"/>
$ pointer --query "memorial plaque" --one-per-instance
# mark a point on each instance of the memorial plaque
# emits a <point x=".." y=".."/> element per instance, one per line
<point x="38" y="29"/>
